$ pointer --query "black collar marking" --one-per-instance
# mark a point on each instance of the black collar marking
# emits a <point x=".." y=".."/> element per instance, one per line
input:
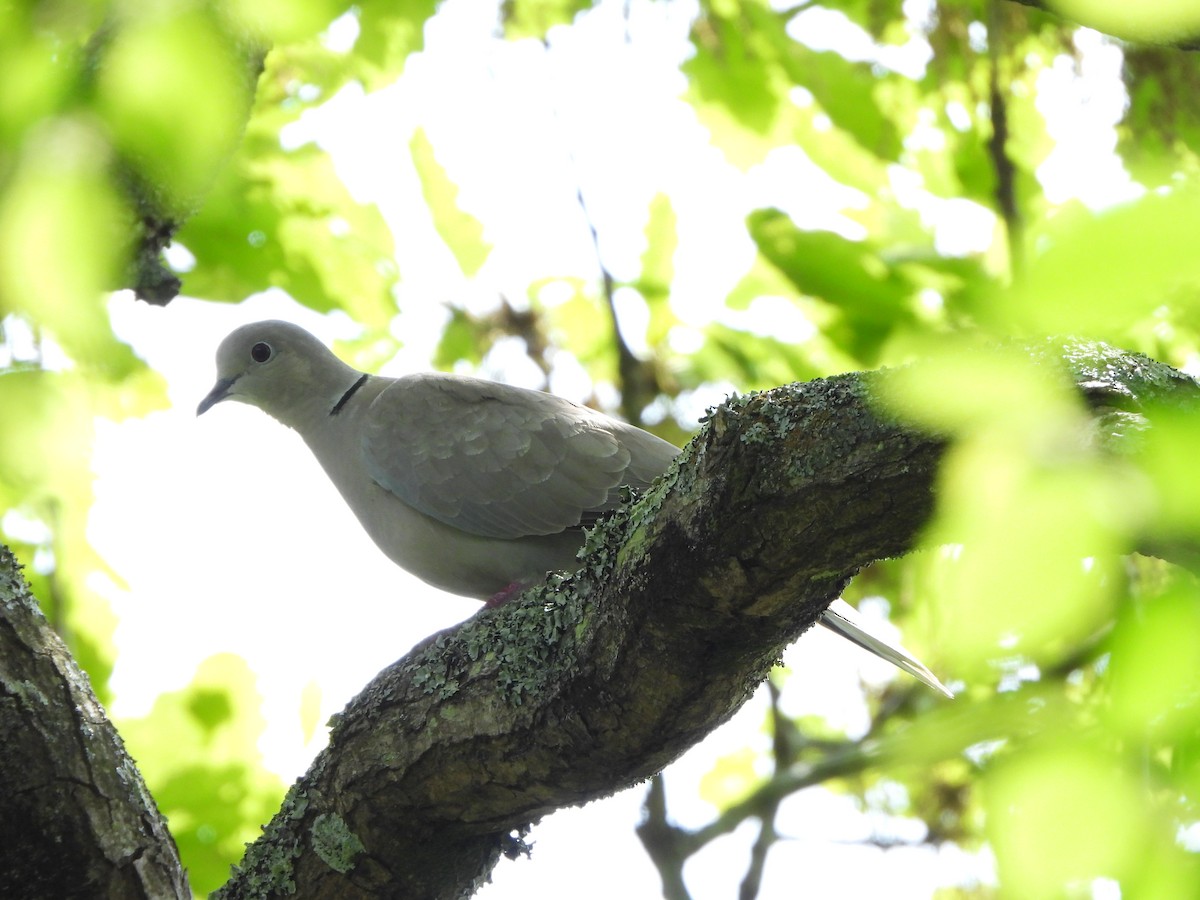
<point x="346" y="396"/>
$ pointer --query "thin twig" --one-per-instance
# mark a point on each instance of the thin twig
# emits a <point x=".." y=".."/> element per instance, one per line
<point x="1006" y="173"/>
<point x="662" y="842"/>
<point x="638" y="382"/>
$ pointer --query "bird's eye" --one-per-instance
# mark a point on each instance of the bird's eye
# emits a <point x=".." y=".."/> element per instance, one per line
<point x="260" y="352"/>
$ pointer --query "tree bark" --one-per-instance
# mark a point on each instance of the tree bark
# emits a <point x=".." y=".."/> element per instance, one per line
<point x="575" y="690"/>
<point x="76" y="819"/>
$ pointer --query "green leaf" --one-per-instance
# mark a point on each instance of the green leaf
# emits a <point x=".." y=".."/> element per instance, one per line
<point x="38" y="75"/>
<point x="850" y="274"/>
<point x="738" y="85"/>
<point x="1022" y="518"/>
<point x="46" y="477"/>
<point x="744" y="69"/>
<point x="847" y="93"/>
<point x="750" y="361"/>
<point x="876" y="16"/>
<point x="658" y="259"/>
<point x="463" y="338"/>
<point x="761" y="279"/>
<point x="460" y="231"/>
<point x="658" y="268"/>
<point x="873" y="297"/>
<point x="1167" y="455"/>
<point x="582" y="323"/>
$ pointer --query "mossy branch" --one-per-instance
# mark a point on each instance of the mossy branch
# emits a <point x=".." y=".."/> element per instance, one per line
<point x="594" y="682"/>
<point x="577" y="689"/>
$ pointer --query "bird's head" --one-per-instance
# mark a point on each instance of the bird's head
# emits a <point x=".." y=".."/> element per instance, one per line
<point x="278" y="367"/>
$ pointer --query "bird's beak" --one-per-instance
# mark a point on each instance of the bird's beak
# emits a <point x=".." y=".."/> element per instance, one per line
<point x="220" y="391"/>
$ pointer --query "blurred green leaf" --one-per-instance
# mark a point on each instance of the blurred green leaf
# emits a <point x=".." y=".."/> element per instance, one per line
<point x="1161" y="128"/>
<point x="284" y="219"/>
<point x="1156" y="671"/>
<point x="1098" y="274"/>
<point x="762" y="279"/>
<point x="197" y="750"/>
<point x="846" y="92"/>
<point x="658" y="259"/>
<point x="872" y="297"/>
<point x="576" y="318"/>
<point x="1162" y="21"/>
<point x="388" y="33"/>
<point x="534" y="18"/>
<point x="878" y="17"/>
<point x="849" y="274"/>
<point x="971" y="388"/>
<point x="61" y="233"/>
<point x="39" y="77"/>
<point x="462" y="339"/>
<point x="750" y="361"/>
<point x="42" y="444"/>
<point x="737" y="83"/>
<point x="732" y="778"/>
<point x="1167" y="456"/>
<point x="46" y="477"/>
<point x="1066" y="814"/>
<point x="310" y="710"/>
<point x="841" y="157"/>
<point x="174" y="86"/>
<point x="1028" y="509"/>
<point x="284" y="21"/>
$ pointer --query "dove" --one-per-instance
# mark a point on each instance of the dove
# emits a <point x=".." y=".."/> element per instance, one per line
<point x="476" y="487"/>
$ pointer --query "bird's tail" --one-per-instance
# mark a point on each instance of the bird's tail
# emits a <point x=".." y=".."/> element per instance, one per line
<point x="843" y="619"/>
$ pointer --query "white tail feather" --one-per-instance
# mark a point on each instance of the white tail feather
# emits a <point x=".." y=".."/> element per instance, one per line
<point x="843" y="619"/>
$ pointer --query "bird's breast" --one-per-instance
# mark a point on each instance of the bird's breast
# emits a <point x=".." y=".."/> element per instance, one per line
<point x="435" y="551"/>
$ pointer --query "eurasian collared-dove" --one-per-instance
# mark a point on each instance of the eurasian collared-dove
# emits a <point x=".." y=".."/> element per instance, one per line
<point x="475" y="487"/>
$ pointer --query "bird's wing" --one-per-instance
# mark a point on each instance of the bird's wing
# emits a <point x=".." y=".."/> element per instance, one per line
<point x="500" y="461"/>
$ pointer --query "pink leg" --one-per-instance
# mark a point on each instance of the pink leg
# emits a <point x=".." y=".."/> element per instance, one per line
<point x="503" y="596"/>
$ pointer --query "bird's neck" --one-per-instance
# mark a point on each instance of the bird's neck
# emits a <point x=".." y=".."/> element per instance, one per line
<point x="310" y="408"/>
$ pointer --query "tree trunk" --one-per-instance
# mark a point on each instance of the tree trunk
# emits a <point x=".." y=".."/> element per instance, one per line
<point x="76" y="819"/>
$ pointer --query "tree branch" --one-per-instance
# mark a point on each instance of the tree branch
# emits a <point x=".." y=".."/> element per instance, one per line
<point x="579" y="688"/>
<point x="596" y="681"/>
<point x="1006" y="172"/>
<point x="664" y="842"/>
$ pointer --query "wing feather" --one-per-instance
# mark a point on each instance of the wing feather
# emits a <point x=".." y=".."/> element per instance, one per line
<point x="501" y="461"/>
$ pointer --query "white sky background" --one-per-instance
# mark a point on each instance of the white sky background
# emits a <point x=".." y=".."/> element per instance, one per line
<point x="232" y="539"/>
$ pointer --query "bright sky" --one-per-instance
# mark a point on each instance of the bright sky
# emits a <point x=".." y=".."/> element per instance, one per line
<point x="252" y="551"/>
